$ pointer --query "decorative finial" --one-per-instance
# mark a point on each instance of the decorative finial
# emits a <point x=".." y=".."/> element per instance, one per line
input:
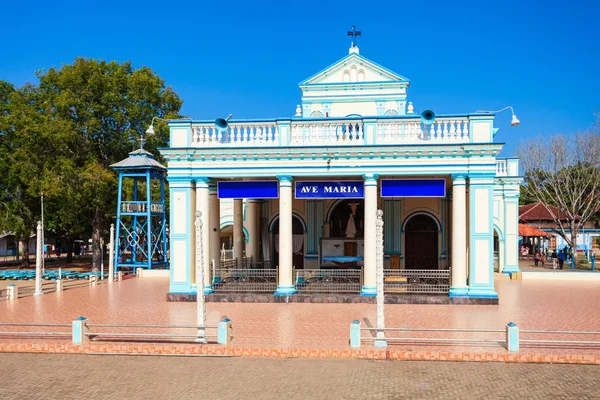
<point x="410" y="108"/>
<point x="355" y="34"/>
<point x="298" y="111"/>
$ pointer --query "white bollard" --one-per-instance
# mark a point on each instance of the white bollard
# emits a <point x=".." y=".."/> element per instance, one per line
<point x="59" y="285"/>
<point x="13" y="291"/>
<point x="120" y="275"/>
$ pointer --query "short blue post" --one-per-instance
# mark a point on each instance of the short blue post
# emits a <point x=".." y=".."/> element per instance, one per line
<point x="512" y="337"/>
<point x="572" y="262"/>
<point x="224" y="331"/>
<point x="80" y="330"/>
<point x="593" y="258"/>
<point x="355" y="334"/>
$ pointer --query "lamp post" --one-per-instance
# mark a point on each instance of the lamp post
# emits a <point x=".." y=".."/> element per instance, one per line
<point x="513" y="122"/>
<point x="201" y="307"/>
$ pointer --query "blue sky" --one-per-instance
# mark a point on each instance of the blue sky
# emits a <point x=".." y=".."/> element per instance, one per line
<point x="247" y="58"/>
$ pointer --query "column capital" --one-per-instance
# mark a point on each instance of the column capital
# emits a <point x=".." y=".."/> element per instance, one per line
<point x="212" y="187"/>
<point x="201" y="181"/>
<point x="370" y="179"/>
<point x="458" y="179"/>
<point x="285" y="180"/>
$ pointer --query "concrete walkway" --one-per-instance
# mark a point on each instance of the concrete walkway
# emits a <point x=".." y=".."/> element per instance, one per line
<point x="319" y="330"/>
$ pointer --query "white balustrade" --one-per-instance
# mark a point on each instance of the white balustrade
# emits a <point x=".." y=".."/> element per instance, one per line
<point x="326" y="132"/>
<point x="501" y="167"/>
<point x="446" y="130"/>
<point x="301" y="132"/>
<point x="249" y="134"/>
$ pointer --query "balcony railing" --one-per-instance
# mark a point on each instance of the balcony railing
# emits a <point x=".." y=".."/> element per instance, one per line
<point x="140" y="207"/>
<point x="339" y="131"/>
<point x="507" y="167"/>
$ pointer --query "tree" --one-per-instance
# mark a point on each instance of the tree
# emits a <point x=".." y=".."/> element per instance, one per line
<point x="94" y="112"/>
<point x="564" y="171"/>
<point x="30" y="147"/>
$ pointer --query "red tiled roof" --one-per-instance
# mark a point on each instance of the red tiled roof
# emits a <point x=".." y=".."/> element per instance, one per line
<point x="525" y="230"/>
<point x="537" y="212"/>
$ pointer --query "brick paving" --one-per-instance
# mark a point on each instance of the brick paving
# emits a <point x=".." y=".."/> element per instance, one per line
<point x="53" y="376"/>
<point x="320" y="330"/>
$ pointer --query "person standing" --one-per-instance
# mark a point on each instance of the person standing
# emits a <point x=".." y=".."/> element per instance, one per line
<point x="536" y="258"/>
<point x="561" y="259"/>
<point x="543" y="259"/>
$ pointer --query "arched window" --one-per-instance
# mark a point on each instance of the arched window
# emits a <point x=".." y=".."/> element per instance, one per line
<point x="391" y="112"/>
<point x="316" y="114"/>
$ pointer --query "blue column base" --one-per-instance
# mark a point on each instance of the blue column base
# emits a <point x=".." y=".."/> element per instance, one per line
<point x="482" y="293"/>
<point x="285" y="291"/>
<point x="458" y="292"/>
<point x="208" y="289"/>
<point x="511" y="269"/>
<point x="368" y="291"/>
<point x="181" y="288"/>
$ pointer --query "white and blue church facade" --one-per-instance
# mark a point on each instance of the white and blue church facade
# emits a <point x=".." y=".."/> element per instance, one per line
<point x="303" y="192"/>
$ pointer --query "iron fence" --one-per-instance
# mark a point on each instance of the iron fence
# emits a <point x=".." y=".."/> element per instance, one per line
<point x="244" y="280"/>
<point x="416" y="281"/>
<point x="328" y="280"/>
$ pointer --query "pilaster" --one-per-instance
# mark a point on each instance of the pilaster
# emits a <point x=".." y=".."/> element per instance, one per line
<point x="182" y="237"/>
<point x="481" y="236"/>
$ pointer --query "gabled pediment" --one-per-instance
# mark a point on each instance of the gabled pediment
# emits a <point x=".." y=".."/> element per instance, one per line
<point x="354" y="68"/>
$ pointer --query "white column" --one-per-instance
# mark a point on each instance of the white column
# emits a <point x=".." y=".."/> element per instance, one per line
<point x="369" y="270"/>
<point x="252" y="226"/>
<point x="238" y="231"/>
<point x="203" y="206"/>
<point x="286" y="279"/>
<point x="459" y="237"/>
<point x="215" y="226"/>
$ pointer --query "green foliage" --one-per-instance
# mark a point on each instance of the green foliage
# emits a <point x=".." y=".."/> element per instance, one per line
<point x="60" y="137"/>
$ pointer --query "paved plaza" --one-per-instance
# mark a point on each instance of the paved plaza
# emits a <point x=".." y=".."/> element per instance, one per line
<point x="321" y="330"/>
<point x="52" y="376"/>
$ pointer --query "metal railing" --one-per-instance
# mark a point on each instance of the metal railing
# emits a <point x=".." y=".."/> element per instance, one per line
<point x="132" y="331"/>
<point x="328" y="280"/>
<point x="409" y="339"/>
<point x="545" y="333"/>
<point x="57" y="332"/>
<point x="416" y="281"/>
<point x="244" y="280"/>
<point x="79" y="331"/>
<point x="510" y="336"/>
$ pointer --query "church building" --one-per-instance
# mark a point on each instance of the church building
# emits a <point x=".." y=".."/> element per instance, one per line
<point x="301" y="194"/>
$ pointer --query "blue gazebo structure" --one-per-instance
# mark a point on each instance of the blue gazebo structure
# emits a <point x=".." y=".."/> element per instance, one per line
<point x="141" y="231"/>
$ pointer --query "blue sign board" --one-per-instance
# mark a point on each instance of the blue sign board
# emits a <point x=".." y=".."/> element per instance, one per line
<point x="248" y="190"/>
<point x="330" y="190"/>
<point x="413" y="187"/>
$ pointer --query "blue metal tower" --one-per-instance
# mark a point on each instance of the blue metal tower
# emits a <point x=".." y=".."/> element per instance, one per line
<point x="141" y="234"/>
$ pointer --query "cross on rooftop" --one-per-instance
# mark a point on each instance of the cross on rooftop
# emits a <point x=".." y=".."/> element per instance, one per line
<point x="354" y="33"/>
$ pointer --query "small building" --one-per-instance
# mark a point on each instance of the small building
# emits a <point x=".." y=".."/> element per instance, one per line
<point x="306" y="190"/>
<point x="537" y="216"/>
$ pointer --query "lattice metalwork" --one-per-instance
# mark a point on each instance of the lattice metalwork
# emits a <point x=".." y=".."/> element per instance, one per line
<point x="244" y="280"/>
<point x="328" y="280"/>
<point x="416" y="281"/>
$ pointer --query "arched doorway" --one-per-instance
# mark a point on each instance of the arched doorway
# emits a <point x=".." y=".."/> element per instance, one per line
<point x="297" y="242"/>
<point x="421" y="243"/>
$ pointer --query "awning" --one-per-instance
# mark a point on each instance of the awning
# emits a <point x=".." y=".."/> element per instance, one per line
<point x="525" y="230"/>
